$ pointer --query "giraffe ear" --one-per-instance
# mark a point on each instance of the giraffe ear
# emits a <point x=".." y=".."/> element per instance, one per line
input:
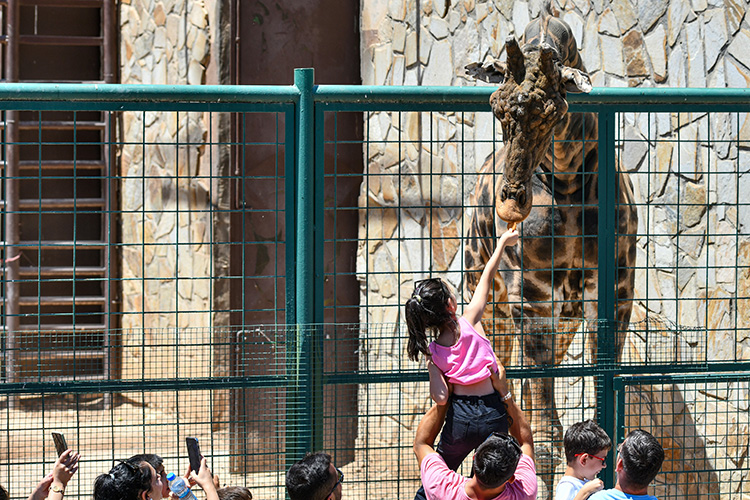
<point x="493" y="72"/>
<point x="575" y="80"/>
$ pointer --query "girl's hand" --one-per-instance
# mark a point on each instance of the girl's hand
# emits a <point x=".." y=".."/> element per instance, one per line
<point x="509" y="238"/>
<point x="65" y="466"/>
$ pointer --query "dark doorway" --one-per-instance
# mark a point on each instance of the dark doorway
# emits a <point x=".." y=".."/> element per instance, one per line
<point x="271" y="39"/>
<point x="58" y="198"/>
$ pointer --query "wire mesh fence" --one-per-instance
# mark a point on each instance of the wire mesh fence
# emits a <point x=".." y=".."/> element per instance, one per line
<point x="167" y="249"/>
<point x="702" y="423"/>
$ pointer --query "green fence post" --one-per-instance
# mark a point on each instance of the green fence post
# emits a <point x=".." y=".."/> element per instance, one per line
<point x="301" y="400"/>
<point x="607" y="272"/>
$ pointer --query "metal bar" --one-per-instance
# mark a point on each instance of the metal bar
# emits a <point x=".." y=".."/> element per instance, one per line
<point x="364" y="94"/>
<point x="77" y="41"/>
<point x="80" y="386"/>
<point x="607" y="258"/>
<point x="332" y="95"/>
<point x="148" y="93"/>
<point x="299" y="426"/>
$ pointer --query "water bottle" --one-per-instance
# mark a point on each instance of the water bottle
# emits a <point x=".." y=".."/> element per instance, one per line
<point x="179" y="487"/>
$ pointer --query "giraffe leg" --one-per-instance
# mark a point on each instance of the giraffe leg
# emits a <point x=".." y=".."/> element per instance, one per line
<point x="545" y="342"/>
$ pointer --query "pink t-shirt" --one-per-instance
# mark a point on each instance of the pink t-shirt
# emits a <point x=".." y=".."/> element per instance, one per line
<point x="441" y="483"/>
<point x="468" y="361"/>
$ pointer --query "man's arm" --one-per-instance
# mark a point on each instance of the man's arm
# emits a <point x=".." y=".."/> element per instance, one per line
<point x="428" y="430"/>
<point x="521" y="430"/>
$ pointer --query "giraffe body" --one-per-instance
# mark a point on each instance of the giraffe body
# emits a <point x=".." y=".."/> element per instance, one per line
<point x="547" y="284"/>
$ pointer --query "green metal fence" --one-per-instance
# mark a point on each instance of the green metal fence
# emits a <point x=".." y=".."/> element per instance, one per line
<point x="239" y="272"/>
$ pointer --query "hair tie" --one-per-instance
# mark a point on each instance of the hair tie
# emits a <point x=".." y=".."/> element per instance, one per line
<point x="112" y="475"/>
<point x="417" y="297"/>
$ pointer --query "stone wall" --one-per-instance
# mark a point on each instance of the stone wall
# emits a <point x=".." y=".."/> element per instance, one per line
<point x="686" y="178"/>
<point x="170" y="185"/>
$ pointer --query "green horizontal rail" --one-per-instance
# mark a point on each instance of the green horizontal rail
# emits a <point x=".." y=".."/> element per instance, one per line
<point x="385" y="97"/>
<point x="148" y="93"/>
<point x="740" y="374"/>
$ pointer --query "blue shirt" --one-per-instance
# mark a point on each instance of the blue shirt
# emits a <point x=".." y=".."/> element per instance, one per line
<point x="614" y="494"/>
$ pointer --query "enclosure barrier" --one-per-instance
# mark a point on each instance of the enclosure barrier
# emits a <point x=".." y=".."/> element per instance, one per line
<point x="217" y="262"/>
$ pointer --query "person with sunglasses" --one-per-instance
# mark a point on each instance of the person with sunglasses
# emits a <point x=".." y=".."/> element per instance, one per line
<point x="586" y="447"/>
<point x="314" y="478"/>
<point x="465" y="374"/>
<point x="503" y="466"/>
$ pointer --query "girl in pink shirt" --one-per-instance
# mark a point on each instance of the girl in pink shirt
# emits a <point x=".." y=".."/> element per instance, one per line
<point x="463" y="368"/>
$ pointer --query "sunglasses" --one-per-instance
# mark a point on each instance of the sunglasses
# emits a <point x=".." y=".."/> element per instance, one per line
<point x="593" y="456"/>
<point x="418" y="285"/>
<point x="507" y="437"/>
<point x="341" y="480"/>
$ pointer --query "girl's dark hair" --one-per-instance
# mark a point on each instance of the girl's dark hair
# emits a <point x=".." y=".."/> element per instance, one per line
<point x="426" y="309"/>
<point x="125" y="481"/>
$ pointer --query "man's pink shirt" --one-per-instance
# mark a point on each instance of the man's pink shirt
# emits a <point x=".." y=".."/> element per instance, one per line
<point x="441" y="483"/>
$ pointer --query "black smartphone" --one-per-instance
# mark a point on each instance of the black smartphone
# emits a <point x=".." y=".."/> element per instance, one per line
<point x="60" y="444"/>
<point x="194" y="453"/>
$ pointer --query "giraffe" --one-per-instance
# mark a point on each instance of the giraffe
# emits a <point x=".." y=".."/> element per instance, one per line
<point x="548" y="282"/>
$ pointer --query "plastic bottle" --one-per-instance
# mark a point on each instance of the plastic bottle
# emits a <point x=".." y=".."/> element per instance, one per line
<point x="179" y="487"/>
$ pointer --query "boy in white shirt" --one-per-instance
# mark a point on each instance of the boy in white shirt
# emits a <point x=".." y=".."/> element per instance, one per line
<point x="586" y="448"/>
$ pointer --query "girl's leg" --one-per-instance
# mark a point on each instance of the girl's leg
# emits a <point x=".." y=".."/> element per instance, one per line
<point x="455" y="443"/>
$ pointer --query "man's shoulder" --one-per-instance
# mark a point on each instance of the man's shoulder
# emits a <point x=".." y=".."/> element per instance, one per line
<point x="608" y="495"/>
<point x="439" y="480"/>
<point x="524" y="486"/>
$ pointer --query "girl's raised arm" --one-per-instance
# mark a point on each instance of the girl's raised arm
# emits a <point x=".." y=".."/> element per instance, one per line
<point x="473" y="312"/>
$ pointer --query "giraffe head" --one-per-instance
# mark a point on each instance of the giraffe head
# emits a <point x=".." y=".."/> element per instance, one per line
<point x="529" y="104"/>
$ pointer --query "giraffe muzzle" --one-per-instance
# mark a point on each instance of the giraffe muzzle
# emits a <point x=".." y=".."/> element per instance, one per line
<point x="515" y="203"/>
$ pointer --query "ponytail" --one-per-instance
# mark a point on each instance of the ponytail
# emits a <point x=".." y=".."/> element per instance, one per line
<point x="426" y="309"/>
<point x="417" y="336"/>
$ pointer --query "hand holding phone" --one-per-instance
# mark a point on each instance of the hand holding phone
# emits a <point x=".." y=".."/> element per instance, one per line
<point x="60" y="444"/>
<point x="194" y="453"/>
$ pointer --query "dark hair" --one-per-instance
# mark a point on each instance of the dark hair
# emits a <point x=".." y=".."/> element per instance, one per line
<point x="155" y="460"/>
<point x="585" y="437"/>
<point x="310" y="478"/>
<point x="234" y="493"/>
<point x="496" y="459"/>
<point x="125" y="481"/>
<point x="426" y="309"/>
<point x="3" y="493"/>
<point x="642" y="456"/>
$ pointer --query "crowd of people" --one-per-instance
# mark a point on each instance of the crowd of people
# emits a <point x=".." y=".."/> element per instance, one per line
<point x="140" y="477"/>
<point x="474" y="409"/>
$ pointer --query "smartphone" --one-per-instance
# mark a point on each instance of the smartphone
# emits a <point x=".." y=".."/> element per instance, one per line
<point x="60" y="444"/>
<point x="194" y="453"/>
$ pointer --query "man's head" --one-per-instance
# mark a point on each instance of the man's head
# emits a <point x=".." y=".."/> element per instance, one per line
<point x="495" y="460"/>
<point x="586" y="448"/>
<point x="314" y="478"/>
<point x="641" y="456"/>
